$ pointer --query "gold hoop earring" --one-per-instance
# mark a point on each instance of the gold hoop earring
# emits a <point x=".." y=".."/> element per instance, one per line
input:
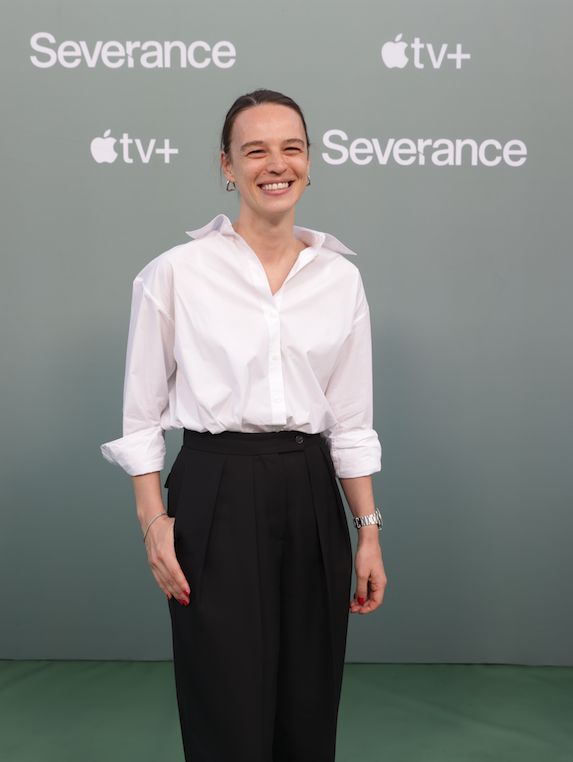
<point x="230" y="190"/>
<point x="308" y="181"/>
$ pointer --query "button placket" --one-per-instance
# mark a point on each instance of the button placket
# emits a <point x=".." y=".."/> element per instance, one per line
<point x="275" y="371"/>
<point x="270" y="305"/>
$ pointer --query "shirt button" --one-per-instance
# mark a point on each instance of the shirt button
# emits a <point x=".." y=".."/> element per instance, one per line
<point x="278" y="430"/>
<point x="299" y="439"/>
<point x="278" y="399"/>
<point x="274" y="356"/>
<point x="272" y="314"/>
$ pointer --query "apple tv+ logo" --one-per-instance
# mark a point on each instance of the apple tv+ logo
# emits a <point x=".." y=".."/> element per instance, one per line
<point x="103" y="149"/>
<point x="394" y="54"/>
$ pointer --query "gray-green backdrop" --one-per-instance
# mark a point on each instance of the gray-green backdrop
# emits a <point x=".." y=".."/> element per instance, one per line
<point x="465" y="251"/>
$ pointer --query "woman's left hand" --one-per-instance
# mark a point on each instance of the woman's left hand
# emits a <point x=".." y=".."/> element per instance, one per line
<point x="370" y="575"/>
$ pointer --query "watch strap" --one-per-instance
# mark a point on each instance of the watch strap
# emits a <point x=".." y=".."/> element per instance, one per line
<point x="372" y="518"/>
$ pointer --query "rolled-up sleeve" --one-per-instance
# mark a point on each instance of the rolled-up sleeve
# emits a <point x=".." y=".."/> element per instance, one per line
<point x="354" y="445"/>
<point x="149" y="367"/>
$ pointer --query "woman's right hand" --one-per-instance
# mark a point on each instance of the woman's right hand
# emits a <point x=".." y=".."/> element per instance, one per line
<point x="160" y="542"/>
<point x="160" y="546"/>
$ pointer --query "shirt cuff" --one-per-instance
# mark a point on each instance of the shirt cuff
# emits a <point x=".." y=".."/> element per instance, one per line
<point x="142" y="452"/>
<point x="355" y="454"/>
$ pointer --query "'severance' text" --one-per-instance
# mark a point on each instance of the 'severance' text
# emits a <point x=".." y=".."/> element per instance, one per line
<point x="442" y="152"/>
<point x="113" y="54"/>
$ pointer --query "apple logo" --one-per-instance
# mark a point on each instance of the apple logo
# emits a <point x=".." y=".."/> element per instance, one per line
<point x="393" y="53"/>
<point x="102" y="149"/>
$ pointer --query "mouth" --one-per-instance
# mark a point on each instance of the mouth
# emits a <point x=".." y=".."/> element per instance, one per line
<point x="276" y="186"/>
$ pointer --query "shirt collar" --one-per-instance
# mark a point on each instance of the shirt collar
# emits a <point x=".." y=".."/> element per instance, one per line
<point x="313" y="238"/>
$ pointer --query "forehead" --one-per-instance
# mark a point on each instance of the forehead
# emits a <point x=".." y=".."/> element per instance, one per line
<point x="267" y="122"/>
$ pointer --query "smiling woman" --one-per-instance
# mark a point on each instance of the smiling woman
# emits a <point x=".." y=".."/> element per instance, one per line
<point x="269" y="161"/>
<point x="255" y="338"/>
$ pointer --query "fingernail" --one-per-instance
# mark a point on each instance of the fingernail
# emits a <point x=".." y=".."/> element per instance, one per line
<point x="186" y="593"/>
<point x="168" y="596"/>
<point x="361" y="601"/>
<point x="181" y="601"/>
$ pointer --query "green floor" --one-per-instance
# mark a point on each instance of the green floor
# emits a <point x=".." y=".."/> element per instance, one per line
<point x="124" y="711"/>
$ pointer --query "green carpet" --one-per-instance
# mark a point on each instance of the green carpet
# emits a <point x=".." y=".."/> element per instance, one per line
<point x="126" y="711"/>
<point x="456" y="713"/>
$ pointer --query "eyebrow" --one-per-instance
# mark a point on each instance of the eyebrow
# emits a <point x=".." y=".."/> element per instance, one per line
<point x="252" y="143"/>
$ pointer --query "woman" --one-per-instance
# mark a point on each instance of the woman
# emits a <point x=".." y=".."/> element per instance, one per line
<point x="255" y="339"/>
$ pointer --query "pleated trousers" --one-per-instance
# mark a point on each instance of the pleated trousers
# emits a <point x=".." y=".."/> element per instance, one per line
<point x="261" y="535"/>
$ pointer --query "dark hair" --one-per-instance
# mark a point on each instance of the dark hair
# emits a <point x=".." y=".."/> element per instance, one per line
<point x="256" y="98"/>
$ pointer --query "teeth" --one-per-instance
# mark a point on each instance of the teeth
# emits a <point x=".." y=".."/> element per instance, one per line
<point x="274" y="186"/>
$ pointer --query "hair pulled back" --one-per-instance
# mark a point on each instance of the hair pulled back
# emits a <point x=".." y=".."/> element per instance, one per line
<point x="256" y="98"/>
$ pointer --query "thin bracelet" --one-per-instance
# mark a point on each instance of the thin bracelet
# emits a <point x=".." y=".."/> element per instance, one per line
<point x="151" y="522"/>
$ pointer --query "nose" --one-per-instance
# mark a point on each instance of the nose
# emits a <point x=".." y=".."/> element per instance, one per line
<point x="276" y="164"/>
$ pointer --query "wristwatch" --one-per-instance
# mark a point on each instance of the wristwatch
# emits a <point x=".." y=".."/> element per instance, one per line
<point x="372" y="518"/>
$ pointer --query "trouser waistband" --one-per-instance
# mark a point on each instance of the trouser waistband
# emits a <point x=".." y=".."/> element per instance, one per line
<point x="237" y="443"/>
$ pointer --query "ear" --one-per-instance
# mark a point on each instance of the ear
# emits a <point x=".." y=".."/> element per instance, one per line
<point x="226" y="167"/>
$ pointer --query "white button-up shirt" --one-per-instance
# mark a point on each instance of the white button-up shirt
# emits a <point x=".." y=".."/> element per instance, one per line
<point x="210" y="348"/>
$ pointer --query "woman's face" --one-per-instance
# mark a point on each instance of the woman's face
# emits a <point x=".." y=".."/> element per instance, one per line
<point x="268" y="159"/>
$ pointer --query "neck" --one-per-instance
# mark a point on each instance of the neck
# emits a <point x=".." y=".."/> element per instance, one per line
<point x="272" y="239"/>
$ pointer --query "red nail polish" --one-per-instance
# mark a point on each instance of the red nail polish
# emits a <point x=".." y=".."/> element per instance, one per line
<point x="361" y="601"/>
<point x="182" y="602"/>
<point x="186" y="593"/>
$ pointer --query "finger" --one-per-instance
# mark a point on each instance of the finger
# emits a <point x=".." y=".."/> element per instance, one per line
<point x="374" y="599"/>
<point x="181" y="586"/>
<point x="173" y="583"/>
<point x="170" y="577"/>
<point x="165" y="566"/>
<point x="356" y="605"/>
<point x="361" y="589"/>
<point x="377" y="595"/>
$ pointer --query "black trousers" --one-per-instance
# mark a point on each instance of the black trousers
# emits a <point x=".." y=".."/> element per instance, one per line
<point x="262" y="538"/>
